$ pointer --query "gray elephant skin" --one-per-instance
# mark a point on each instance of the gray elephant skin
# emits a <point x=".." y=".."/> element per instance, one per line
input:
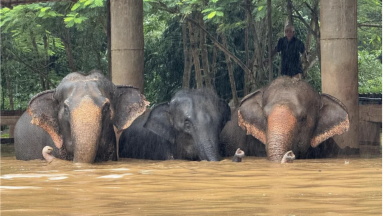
<point x="187" y="127"/>
<point x="288" y="114"/>
<point x="77" y="119"/>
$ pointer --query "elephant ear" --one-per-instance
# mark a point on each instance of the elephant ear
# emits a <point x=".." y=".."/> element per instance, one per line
<point x="128" y="105"/>
<point x="251" y="116"/>
<point x="333" y="120"/>
<point x="43" y="109"/>
<point x="159" y="122"/>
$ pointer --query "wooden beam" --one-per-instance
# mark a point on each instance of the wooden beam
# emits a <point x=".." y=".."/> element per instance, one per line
<point x="370" y="113"/>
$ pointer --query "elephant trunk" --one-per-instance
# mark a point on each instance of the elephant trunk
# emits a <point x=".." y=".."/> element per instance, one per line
<point x="281" y="124"/>
<point x="86" y="130"/>
<point x="208" y="148"/>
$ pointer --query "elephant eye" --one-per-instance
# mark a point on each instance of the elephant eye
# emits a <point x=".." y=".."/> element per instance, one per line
<point x="187" y="124"/>
<point x="66" y="109"/>
<point x="106" y="108"/>
<point x="303" y="118"/>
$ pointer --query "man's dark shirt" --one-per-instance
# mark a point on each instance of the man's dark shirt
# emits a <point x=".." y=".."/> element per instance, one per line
<point x="290" y="56"/>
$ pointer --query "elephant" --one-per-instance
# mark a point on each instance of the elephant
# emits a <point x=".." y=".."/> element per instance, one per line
<point x="187" y="127"/>
<point x="288" y="114"/>
<point x="78" y="119"/>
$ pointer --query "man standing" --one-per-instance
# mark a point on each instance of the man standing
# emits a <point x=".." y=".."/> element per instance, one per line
<point x="290" y="48"/>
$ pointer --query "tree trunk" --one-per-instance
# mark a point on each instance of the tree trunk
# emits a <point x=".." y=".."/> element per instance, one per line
<point x="214" y="60"/>
<point x="307" y="45"/>
<point x="230" y="73"/>
<point x="7" y="81"/>
<point x="220" y="46"/>
<point x="193" y="33"/>
<point x="109" y="39"/>
<point x="36" y="51"/>
<point x="270" y="40"/>
<point x="249" y="78"/>
<point x="45" y="39"/>
<point x="9" y="89"/>
<point x="68" y="50"/>
<point x="289" y="13"/>
<point x="317" y="31"/>
<point x="98" y="59"/>
<point x="204" y="55"/>
<point x="187" y="58"/>
<point x="246" y="75"/>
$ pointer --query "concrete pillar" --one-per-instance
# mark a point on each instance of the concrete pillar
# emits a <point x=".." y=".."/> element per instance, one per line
<point x="127" y="43"/>
<point x="339" y="71"/>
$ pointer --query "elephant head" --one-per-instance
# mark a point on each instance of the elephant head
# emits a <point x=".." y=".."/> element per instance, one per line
<point x="80" y="115"/>
<point x="289" y="115"/>
<point x="191" y="115"/>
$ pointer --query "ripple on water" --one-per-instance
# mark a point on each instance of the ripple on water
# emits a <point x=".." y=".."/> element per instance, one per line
<point x="120" y="169"/>
<point x="18" y="187"/>
<point x="31" y="175"/>
<point x="114" y="176"/>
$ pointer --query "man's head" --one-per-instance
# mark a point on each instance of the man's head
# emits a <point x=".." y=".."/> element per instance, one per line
<point x="289" y="32"/>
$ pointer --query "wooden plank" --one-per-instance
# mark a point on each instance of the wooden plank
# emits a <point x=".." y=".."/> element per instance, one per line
<point x="369" y="133"/>
<point x="370" y="112"/>
<point x="9" y="120"/>
<point x="12" y="112"/>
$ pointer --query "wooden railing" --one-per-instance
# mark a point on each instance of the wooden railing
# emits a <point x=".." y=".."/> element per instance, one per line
<point x="10" y="117"/>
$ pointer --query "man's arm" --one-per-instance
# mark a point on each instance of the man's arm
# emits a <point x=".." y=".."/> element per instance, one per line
<point x="274" y="51"/>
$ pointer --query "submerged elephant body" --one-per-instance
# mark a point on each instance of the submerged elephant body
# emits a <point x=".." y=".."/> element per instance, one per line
<point x="77" y="119"/>
<point x="286" y="115"/>
<point x="187" y="127"/>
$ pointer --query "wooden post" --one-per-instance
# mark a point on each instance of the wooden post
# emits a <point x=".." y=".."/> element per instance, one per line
<point x="339" y="74"/>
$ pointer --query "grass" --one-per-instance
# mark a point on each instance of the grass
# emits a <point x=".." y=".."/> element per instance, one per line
<point x="4" y="135"/>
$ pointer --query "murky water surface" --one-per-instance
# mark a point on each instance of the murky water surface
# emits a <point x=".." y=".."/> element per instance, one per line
<point x="141" y="187"/>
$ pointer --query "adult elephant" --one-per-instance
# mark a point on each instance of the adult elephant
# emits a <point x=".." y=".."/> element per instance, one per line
<point x="77" y="119"/>
<point x="288" y="114"/>
<point x="187" y="127"/>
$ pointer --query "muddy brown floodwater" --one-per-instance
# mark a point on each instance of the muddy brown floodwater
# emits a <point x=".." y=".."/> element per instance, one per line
<point x="142" y="187"/>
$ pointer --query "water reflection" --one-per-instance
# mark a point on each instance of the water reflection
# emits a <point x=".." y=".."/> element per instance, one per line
<point x="142" y="187"/>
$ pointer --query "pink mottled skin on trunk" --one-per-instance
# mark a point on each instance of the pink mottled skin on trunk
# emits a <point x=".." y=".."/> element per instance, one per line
<point x="281" y="123"/>
<point x="86" y="129"/>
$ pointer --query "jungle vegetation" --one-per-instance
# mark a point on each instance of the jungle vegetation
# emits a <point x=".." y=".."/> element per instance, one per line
<point x="224" y="39"/>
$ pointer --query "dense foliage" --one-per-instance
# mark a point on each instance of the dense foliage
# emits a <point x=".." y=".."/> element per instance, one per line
<point x="41" y="43"/>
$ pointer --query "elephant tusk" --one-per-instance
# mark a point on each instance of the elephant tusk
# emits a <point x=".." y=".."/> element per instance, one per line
<point x="238" y="155"/>
<point x="288" y="157"/>
<point x="47" y="150"/>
